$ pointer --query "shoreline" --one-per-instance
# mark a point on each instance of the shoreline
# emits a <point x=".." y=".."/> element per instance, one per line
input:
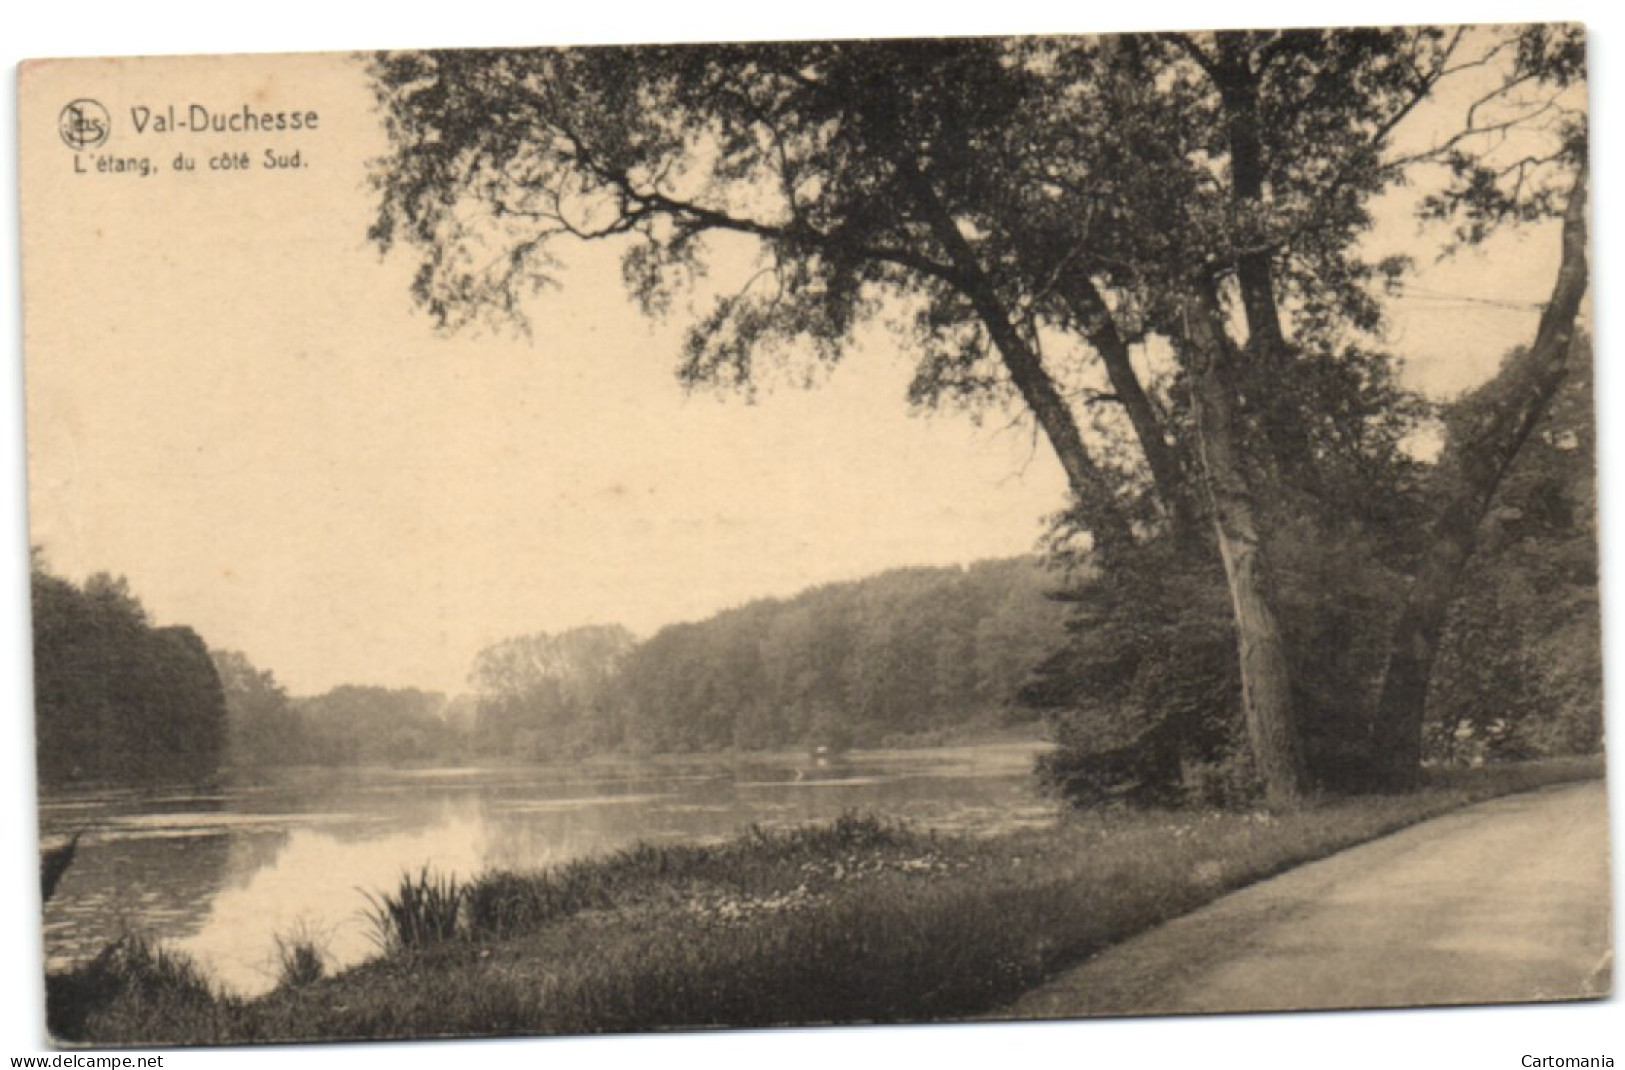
<point x="859" y="920"/>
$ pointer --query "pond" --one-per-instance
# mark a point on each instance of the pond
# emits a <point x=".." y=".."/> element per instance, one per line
<point x="221" y="875"/>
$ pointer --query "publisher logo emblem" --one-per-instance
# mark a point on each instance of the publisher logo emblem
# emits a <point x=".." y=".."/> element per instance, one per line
<point x="84" y="124"/>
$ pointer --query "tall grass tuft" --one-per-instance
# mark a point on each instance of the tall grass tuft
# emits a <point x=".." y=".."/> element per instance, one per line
<point x="300" y="961"/>
<point x="135" y="990"/>
<point x="423" y="911"/>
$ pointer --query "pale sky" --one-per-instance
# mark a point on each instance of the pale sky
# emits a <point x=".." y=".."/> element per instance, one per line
<point x="233" y="403"/>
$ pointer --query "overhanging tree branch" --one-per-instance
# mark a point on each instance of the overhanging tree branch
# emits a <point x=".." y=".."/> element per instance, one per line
<point x="1089" y="485"/>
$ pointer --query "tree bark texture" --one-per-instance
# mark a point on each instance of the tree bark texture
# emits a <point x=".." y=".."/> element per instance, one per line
<point x="1266" y="675"/>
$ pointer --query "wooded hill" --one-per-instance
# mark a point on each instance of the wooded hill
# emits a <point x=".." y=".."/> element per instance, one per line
<point x="910" y="655"/>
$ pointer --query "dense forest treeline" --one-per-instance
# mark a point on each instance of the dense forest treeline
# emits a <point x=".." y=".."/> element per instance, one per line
<point x="116" y="699"/>
<point x="911" y="655"/>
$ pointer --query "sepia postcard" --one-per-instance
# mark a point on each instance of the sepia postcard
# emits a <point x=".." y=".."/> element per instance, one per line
<point x="643" y="538"/>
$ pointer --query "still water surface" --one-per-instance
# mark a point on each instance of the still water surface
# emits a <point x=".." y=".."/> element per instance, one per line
<point x="220" y="875"/>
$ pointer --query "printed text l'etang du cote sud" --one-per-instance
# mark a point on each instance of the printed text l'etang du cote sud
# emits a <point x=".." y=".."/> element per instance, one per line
<point x="175" y="121"/>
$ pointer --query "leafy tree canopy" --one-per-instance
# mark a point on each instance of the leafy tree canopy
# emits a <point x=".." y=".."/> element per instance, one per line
<point x="1029" y="210"/>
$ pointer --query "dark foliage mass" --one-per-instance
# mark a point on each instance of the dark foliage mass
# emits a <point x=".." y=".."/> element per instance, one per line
<point x="1144" y="689"/>
<point x="1144" y="694"/>
<point x="117" y="699"/>
<point x="1520" y="671"/>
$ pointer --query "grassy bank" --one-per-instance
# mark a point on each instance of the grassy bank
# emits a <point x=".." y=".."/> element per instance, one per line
<point x="855" y="921"/>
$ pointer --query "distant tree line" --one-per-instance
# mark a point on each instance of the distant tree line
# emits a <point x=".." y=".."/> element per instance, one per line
<point x="1142" y="697"/>
<point x="355" y="725"/>
<point x="909" y="655"/>
<point x="115" y="698"/>
<point x="544" y="695"/>
<point x="348" y="725"/>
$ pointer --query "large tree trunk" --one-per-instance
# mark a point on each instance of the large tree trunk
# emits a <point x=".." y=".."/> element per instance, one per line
<point x="1266" y="675"/>
<point x="1280" y="422"/>
<point x="1469" y="472"/>
<point x="1238" y="90"/>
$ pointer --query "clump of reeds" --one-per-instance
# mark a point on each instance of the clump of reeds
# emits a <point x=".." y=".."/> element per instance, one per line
<point x="423" y="910"/>
<point x="300" y="960"/>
